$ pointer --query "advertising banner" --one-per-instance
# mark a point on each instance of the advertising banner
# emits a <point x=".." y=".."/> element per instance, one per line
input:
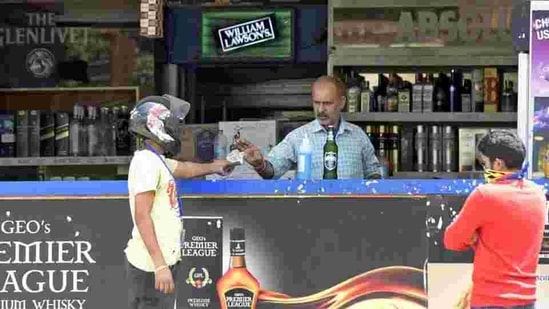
<point x="235" y="34"/>
<point x="31" y="45"/>
<point x="298" y="253"/>
<point x="450" y="272"/>
<point x="539" y="87"/>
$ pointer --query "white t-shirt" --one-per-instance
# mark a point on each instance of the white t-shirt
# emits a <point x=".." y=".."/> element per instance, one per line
<point x="148" y="173"/>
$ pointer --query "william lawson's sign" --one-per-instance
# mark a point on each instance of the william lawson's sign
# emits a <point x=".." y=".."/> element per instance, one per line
<point x="245" y="34"/>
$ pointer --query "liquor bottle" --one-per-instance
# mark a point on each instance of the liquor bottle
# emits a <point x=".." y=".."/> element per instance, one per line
<point x="74" y="131"/>
<point x="454" y="95"/>
<point x="237" y="288"/>
<point x="34" y="133"/>
<point x="383" y="154"/>
<point x="435" y="148"/>
<point x="381" y="93"/>
<point x="205" y="145"/>
<point x="420" y="146"/>
<point x="428" y="94"/>
<point x="93" y="137"/>
<point x="366" y="96"/>
<point x="508" y="104"/>
<point x="83" y="132"/>
<point x="47" y="134"/>
<point x="61" y="134"/>
<point x="353" y="94"/>
<point x="330" y="156"/>
<point x="478" y="91"/>
<point x="404" y="97"/>
<point x="113" y="117"/>
<point x="466" y="100"/>
<point x="394" y="149"/>
<point x="104" y="132"/>
<point x="407" y="148"/>
<point x="449" y="150"/>
<point x="382" y="141"/>
<point x="22" y="134"/>
<point x="371" y="135"/>
<point x="123" y="136"/>
<point x="392" y="94"/>
<point x="491" y="90"/>
<point x="417" y="94"/>
<point x="442" y="103"/>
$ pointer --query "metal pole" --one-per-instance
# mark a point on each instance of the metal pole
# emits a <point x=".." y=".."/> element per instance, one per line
<point x="523" y="110"/>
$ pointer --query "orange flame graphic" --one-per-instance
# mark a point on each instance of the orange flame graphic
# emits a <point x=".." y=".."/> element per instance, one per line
<point x="396" y="287"/>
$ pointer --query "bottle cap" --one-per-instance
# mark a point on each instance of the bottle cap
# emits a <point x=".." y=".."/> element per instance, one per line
<point x="237" y="234"/>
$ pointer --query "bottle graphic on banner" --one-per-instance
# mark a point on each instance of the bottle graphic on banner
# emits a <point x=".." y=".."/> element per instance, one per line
<point x="238" y="288"/>
<point x="304" y="159"/>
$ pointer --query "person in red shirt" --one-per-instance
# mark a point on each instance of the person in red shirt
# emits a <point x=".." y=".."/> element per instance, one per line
<point x="503" y="222"/>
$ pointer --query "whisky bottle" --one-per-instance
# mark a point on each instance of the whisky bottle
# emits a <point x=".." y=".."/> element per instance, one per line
<point x="353" y="93"/>
<point x="394" y="149"/>
<point x="366" y="97"/>
<point x="466" y="100"/>
<point x="417" y="94"/>
<point x="392" y="94"/>
<point x="420" y="146"/>
<point x="330" y="156"/>
<point x="404" y="97"/>
<point x="238" y="288"/>
<point x="478" y="91"/>
<point x="455" y="87"/>
<point x="428" y="93"/>
<point x="442" y="88"/>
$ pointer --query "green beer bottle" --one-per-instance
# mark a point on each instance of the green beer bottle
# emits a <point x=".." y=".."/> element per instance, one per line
<point x="330" y="156"/>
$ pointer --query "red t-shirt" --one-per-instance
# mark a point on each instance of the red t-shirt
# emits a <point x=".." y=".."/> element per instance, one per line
<point x="509" y="217"/>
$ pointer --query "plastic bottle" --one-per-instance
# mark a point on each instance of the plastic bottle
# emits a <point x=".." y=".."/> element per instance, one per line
<point x="221" y="145"/>
<point x="304" y="159"/>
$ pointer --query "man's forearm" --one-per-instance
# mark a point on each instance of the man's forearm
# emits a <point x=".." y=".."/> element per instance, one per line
<point x="188" y="170"/>
<point x="266" y="171"/>
<point x="145" y="227"/>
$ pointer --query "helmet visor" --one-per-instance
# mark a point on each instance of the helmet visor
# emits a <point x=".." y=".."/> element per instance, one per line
<point x="178" y="108"/>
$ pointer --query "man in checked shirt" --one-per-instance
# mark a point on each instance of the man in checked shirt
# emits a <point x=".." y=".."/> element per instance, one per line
<point x="356" y="154"/>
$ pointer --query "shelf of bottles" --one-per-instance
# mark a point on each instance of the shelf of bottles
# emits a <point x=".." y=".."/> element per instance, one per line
<point x="426" y="125"/>
<point x="66" y="126"/>
<point x="90" y="135"/>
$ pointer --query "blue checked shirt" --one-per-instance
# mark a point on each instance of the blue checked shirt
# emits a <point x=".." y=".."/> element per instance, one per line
<point x="356" y="154"/>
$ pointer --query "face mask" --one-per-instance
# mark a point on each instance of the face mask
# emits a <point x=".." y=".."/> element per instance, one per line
<point x="491" y="176"/>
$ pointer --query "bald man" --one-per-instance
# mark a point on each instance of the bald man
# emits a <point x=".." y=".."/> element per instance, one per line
<point x="356" y="154"/>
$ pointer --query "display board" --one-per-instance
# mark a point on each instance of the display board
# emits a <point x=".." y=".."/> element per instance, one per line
<point x="336" y="253"/>
<point x="352" y="252"/>
<point x="247" y="34"/>
<point x="538" y="137"/>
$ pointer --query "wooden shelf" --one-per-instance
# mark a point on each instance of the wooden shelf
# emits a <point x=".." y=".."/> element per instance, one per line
<point x="59" y="161"/>
<point x="509" y="118"/>
<point x="63" y="99"/>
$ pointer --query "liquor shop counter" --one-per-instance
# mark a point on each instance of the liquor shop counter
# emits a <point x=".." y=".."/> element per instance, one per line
<point x="314" y="244"/>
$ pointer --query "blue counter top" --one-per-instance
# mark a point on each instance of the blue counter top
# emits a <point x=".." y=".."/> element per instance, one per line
<point x="253" y="187"/>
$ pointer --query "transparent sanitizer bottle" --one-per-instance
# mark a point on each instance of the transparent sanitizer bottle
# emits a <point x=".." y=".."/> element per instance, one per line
<point x="304" y="158"/>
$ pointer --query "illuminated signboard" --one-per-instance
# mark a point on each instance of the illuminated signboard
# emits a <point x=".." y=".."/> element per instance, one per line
<point x="247" y="34"/>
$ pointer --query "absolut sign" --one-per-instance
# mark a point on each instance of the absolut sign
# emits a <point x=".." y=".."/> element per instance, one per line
<point x="246" y="34"/>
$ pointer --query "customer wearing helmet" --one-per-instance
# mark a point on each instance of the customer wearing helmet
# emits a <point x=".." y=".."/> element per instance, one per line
<point x="153" y="250"/>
